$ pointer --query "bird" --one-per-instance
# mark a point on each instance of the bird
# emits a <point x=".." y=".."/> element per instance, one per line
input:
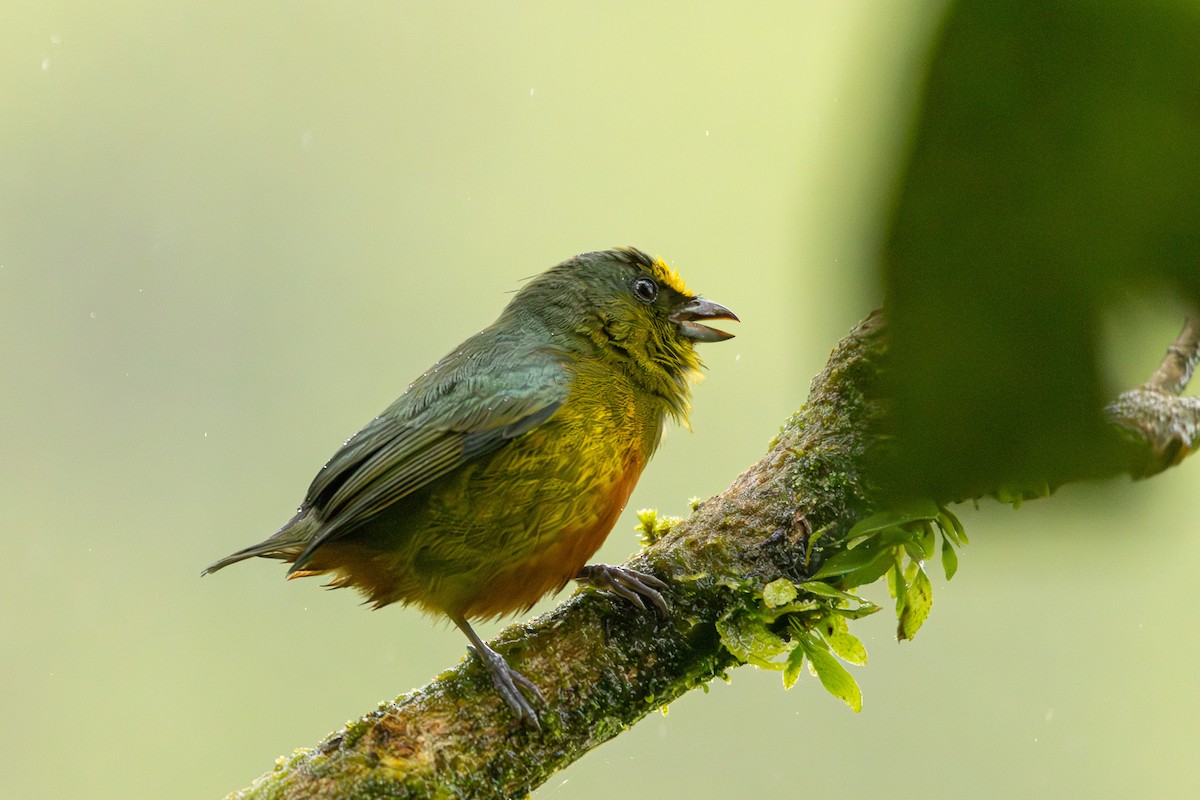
<point x="497" y="474"/>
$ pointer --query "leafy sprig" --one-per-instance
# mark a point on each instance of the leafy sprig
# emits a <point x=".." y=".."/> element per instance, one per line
<point x="798" y="625"/>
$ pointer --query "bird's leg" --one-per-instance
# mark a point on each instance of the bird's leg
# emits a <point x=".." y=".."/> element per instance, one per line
<point x="625" y="582"/>
<point x="508" y="681"/>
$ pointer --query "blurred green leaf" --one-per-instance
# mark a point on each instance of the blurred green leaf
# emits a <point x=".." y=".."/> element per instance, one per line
<point x="1055" y="168"/>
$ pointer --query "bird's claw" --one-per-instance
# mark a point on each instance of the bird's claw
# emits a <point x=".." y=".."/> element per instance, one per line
<point x="624" y="582"/>
<point x="508" y="683"/>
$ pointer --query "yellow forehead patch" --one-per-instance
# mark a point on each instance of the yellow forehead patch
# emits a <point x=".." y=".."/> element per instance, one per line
<point x="658" y="269"/>
<point x="669" y="277"/>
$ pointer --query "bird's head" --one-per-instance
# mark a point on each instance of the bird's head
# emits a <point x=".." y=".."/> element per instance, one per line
<point x="638" y="313"/>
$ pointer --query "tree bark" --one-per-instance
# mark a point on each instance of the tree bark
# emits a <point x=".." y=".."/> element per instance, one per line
<point x="603" y="666"/>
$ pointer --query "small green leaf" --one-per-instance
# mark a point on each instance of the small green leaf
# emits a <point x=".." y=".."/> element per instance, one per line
<point x="915" y="550"/>
<point x="836" y="679"/>
<point x="864" y="557"/>
<point x="795" y="607"/>
<point x="894" y="517"/>
<point x="791" y="670"/>
<point x="952" y="528"/>
<point x="897" y="587"/>
<point x="831" y="624"/>
<point x="822" y="589"/>
<point x="779" y="593"/>
<point x="851" y="560"/>
<point x="916" y="608"/>
<point x="848" y="647"/>
<point x="865" y="610"/>
<point x="928" y="540"/>
<point x="949" y="558"/>
<point x="749" y="640"/>
<point x="866" y="575"/>
<point x="858" y="608"/>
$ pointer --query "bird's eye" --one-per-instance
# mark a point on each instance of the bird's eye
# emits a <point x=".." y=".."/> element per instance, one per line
<point x="645" y="289"/>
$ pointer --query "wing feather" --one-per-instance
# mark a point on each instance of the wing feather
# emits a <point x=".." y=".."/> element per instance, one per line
<point x="442" y="422"/>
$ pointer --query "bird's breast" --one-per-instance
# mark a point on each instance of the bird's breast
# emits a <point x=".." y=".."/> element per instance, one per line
<point x="580" y="467"/>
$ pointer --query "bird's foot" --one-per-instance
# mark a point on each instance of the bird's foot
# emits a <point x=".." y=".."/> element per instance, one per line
<point x="509" y="683"/>
<point x="625" y="582"/>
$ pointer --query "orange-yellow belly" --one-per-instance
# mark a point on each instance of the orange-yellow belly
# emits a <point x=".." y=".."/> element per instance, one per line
<point x="516" y="587"/>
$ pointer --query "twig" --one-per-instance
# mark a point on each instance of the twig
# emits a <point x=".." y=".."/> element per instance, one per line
<point x="1164" y="425"/>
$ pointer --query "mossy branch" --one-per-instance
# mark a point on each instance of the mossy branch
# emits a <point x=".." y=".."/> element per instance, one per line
<point x="603" y="666"/>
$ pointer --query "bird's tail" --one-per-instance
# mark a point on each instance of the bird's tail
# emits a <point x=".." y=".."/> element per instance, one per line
<point x="269" y="549"/>
<point x="285" y="544"/>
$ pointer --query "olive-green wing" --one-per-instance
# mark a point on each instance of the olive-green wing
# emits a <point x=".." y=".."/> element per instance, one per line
<point x="429" y="432"/>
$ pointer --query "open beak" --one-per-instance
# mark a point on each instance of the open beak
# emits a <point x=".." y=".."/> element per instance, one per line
<point x="700" y="308"/>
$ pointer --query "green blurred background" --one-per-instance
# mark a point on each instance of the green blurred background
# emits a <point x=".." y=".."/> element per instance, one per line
<point x="230" y="234"/>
